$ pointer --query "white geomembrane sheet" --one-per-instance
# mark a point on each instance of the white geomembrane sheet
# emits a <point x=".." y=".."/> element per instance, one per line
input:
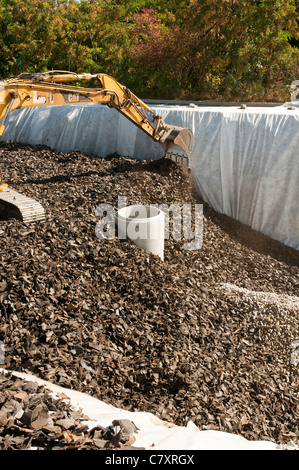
<point x="244" y="162"/>
<point x="153" y="433"/>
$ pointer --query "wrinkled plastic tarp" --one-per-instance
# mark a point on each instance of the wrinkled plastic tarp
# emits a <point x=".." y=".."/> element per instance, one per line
<point x="244" y="162"/>
<point x="153" y="433"/>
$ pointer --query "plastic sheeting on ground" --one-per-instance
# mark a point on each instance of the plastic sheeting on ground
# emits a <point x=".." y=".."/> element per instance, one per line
<point x="244" y="162"/>
<point x="153" y="433"/>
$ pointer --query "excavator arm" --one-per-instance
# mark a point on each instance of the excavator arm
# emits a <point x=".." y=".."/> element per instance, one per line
<point x="47" y="89"/>
<point x="54" y="88"/>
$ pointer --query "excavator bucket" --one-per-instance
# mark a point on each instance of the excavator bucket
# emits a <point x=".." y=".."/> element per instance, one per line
<point x="177" y="144"/>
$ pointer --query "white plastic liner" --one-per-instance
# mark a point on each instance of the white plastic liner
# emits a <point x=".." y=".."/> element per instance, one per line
<point x="244" y="163"/>
<point x="154" y="434"/>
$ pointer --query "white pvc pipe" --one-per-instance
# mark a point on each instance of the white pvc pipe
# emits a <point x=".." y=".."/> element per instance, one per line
<point x="144" y="226"/>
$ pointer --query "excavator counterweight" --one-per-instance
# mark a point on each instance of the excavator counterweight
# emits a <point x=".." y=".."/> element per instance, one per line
<point x="54" y="88"/>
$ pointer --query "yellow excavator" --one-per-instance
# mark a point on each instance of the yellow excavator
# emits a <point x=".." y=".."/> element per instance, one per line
<point x="53" y="88"/>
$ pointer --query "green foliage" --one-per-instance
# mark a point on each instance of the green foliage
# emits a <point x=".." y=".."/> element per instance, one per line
<point x="196" y="49"/>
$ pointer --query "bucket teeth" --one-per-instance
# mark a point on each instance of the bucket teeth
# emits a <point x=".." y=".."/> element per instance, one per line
<point x="179" y="159"/>
<point x="17" y="206"/>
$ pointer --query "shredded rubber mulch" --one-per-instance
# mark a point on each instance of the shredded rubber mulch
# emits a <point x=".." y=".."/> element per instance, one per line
<point x="208" y="335"/>
<point x="32" y="417"/>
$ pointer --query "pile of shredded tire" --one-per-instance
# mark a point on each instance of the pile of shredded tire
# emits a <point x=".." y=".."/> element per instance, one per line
<point x="209" y="335"/>
<point x="32" y="417"/>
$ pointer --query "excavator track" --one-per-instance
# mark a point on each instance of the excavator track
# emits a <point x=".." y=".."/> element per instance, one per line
<point x="17" y="206"/>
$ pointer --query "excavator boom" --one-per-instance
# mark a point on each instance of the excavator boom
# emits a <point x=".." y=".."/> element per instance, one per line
<point x="54" y="88"/>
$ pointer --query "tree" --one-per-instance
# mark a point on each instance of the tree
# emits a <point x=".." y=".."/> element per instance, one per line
<point x="220" y="46"/>
<point x="29" y="31"/>
<point x="199" y="49"/>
